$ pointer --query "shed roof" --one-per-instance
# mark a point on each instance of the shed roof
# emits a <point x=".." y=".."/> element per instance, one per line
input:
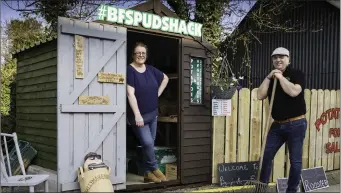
<point x="37" y="43"/>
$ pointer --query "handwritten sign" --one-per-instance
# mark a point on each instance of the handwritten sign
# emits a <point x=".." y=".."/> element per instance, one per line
<point x="314" y="179"/>
<point x="93" y="100"/>
<point x="79" y="56"/>
<point x="282" y="185"/>
<point x="238" y="173"/>
<point x="221" y="107"/>
<point x="110" y="77"/>
<point x="333" y="113"/>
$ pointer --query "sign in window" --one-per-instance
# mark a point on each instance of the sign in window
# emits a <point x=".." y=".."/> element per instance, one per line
<point x="196" y="80"/>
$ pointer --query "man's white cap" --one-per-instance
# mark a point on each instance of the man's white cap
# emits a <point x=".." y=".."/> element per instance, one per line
<point x="280" y="51"/>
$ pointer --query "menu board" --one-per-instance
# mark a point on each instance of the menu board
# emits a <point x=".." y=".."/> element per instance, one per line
<point x="221" y="107"/>
<point x="196" y="80"/>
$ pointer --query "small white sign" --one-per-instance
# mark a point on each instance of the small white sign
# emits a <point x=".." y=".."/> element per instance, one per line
<point x="221" y="107"/>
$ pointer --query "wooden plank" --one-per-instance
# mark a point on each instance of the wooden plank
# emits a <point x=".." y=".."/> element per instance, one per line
<point x="243" y="126"/>
<point x="39" y="65"/>
<point x="93" y="100"/>
<point x="36" y="131"/>
<point x="49" y="141"/>
<point x="37" y="80"/>
<point x="38" y="95"/>
<point x="37" y="124"/>
<point x="96" y="50"/>
<point x="319" y="145"/>
<point x="90" y="109"/>
<point x="305" y="155"/>
<point x="92" y="33"/>
<point x="337" y="125"/>
<point x="37" y="110"/>
<point x="37" y="73"/>
<point x="197" y="149"/>
<point x="37" y="87"/>
<point x="325" y="130"/>
<point x="35" y="103"/>
<point x="231" y="131"/>
<point x="79" y="56"/>
<point x="255" y="127"/>
<point x="312" y="130"/>
<point x="37" y="117"/>
<point x="196" y="134"/>
<point x="218" y="146"/>
<point x="332" y="124"/>
<point x="109" y="77"/>
<point x="65" y="120"/>
<point x="198" y="141"/>
<point x="122" y="123"/>
<point x="39" y="55"/>
<point x="81" y="124"/>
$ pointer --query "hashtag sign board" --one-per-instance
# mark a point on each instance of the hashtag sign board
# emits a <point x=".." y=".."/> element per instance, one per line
<point x="135" y="18"/>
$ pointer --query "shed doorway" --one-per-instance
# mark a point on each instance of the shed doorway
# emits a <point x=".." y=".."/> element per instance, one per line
<point x="163" y="53"/>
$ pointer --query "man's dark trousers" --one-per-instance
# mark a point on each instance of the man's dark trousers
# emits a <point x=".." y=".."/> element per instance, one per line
<point x="292" y="132"/>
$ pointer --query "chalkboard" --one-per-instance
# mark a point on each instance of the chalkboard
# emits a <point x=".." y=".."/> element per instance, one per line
<point x="238" y="173"/>
<point x="314" y="179"/>
<point x="282" y="184"/>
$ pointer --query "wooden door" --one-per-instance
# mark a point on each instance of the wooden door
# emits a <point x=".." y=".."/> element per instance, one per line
<point x="91" y="113"/>
<point x="196" y="127"/>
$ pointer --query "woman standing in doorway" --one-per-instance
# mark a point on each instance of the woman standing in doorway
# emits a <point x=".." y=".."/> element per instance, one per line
<point x="145" y="84"/>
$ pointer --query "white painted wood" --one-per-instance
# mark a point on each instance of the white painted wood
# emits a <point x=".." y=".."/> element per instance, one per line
<point x="90" y="108"/>
<point x="7" y="179"/>
<point x="90" y="128"/>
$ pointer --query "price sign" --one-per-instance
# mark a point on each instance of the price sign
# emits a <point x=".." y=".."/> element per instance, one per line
<point x="221" y="107"/>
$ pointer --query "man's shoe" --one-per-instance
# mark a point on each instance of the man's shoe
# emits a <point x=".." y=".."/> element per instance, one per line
<point x="150" y="177"/>
<point x="160" y="175"/>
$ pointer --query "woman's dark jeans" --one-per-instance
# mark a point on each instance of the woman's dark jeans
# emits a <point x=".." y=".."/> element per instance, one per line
<point x="293" y="133"/>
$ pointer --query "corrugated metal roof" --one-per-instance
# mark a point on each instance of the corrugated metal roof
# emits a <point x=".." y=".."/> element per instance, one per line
<point x="35" y="44"/>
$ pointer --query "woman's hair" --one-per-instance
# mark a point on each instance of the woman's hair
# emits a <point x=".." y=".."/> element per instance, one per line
<point x="137" y="44"/>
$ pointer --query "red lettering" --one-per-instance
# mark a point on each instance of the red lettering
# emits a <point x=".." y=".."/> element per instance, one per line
<point x="330" y="113"/>
<point x="337" y="116"/>
<point x="318" y="124"/>
<point x="335" y="132"/>
<point x="332" y="147"/>
<point x="323" y="118"/>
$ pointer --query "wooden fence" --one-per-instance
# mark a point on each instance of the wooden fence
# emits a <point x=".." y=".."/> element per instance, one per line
<point x="237" y="138"/>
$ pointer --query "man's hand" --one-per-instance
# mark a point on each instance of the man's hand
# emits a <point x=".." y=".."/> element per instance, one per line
<point x="278" y="75"/>
<point x="274" y="72"/>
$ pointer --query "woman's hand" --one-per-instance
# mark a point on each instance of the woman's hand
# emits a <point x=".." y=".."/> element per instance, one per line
<point x="139" y="120"/>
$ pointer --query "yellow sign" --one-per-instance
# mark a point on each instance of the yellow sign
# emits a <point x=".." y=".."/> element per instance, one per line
<point x="110" y="77"/>
<point x="93" y="100"/>
<point x="79" y="56"/>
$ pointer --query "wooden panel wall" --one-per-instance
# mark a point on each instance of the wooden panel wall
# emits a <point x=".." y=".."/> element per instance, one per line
<point x="37" y="101"/>
<point x="238" y="138"/>
<point x="196" y="122"/>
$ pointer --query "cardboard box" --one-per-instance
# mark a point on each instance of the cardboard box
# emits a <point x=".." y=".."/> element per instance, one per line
<point x="171" y="171"/>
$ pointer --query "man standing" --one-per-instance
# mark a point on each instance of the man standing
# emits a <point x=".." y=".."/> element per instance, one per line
<point x="288" y="112"/>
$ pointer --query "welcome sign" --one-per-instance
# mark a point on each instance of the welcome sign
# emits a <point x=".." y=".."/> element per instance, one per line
<point x="148" y="20"/>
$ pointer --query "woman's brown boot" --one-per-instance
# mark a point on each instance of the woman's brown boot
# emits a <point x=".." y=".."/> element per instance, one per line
<point x="150" y="177"/>
<point x="160" y="175"/>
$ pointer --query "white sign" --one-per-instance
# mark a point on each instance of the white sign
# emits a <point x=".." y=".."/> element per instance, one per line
<point x="221" y="107"/>
<point x="148" y="20"/>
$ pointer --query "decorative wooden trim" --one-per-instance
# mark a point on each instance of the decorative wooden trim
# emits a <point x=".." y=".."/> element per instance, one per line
<point x="90" y="109"/>
<point x="101" y="63"/>
<point x="79" y="56"/>
<point x="109" y="77"/>
<point x="70" y="29"/>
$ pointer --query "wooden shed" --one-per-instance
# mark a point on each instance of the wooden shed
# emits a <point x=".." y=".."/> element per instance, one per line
<point x="71" y="100"/>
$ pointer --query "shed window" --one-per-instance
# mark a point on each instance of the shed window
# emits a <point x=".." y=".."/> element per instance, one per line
<point x="196" y="80"/>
